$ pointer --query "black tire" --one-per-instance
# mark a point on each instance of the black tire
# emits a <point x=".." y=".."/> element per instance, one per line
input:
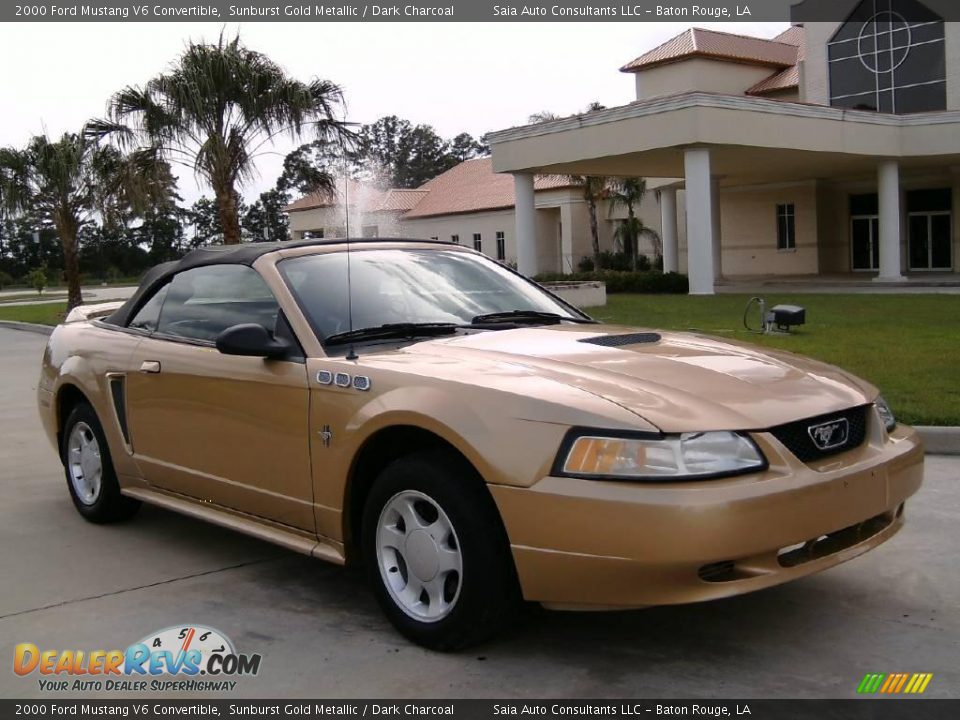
<point x="489" y="594"/>
<point x="109" y="505"/>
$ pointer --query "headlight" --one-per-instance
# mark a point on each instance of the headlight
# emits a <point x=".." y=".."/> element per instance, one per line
<point x="688" y="456"/>
<point x="886" y="414"/>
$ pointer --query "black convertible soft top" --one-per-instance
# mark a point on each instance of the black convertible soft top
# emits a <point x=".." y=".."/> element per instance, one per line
<point x="243" y="254"/>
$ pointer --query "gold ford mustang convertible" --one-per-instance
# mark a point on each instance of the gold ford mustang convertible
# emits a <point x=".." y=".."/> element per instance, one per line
<point x="471" y="439"/>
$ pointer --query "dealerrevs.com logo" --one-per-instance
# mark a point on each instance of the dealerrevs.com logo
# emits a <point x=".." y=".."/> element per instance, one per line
<point x="184" y="658"/>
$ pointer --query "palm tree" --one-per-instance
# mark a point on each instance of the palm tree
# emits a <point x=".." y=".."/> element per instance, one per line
<point x="628" y="192"/>
<point x="67" y="182"/>
<point x="542" y="117"/>
<point x="548" y="115"/>
<point x="215" y="110"/>
<point x="594" y="190"/>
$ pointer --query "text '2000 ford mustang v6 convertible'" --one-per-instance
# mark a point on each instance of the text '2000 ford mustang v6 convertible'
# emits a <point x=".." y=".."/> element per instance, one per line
<point x="473" y="440"/>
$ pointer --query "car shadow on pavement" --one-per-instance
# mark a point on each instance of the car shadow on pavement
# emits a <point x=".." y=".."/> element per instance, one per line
<point x="722" y="629"/>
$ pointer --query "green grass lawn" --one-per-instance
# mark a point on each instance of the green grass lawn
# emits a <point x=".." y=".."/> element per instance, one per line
<point x="45" y="313"/>
<point x="907" y="345"/>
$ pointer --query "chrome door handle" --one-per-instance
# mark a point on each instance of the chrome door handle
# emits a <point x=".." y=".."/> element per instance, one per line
<point x="150" y="366"/>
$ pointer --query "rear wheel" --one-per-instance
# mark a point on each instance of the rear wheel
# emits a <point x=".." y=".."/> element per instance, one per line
<point x="91" y="480"/>
<point x="436" y="552"/>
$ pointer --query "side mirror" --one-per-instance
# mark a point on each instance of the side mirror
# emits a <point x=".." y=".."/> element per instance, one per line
<point x="253" y="340"/>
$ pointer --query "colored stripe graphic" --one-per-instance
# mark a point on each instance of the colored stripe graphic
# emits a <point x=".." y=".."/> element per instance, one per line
<point x="927" y="677"/>
<point x="870" y="683"/>
<point x="891" y="681"/>
<point x="894" y="683"/>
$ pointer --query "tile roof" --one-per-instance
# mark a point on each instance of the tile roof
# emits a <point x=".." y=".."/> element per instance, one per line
<point x="355" y="190"/>
<point x="788" y="78"/>
<point x="783" y="80"/>
<point x="793" y="35"/>
<point x="472" y="186"/>
<point x="697" y="42"/>
<point x="400" y="200"/>
<point x="308" y="202"/>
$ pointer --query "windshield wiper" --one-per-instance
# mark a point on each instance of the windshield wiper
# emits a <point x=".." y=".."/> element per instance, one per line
<point x="524" y="316"/>
<point x="392" y="330"/>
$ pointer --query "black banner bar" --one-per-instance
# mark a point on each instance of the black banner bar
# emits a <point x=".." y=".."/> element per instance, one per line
<point x="858" y="709"/>
<point x="457" y="11"/>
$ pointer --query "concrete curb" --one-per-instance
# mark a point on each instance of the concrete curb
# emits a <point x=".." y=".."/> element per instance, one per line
<point x="936" y="440"/>
<point x="940" y="440"/>
<point x="27" y="327"/>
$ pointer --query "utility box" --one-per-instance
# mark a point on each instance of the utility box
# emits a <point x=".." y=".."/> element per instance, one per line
<point x="787" y="316"/>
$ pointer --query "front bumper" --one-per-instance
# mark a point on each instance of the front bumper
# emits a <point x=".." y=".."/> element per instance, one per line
<point x="596" y="544"/>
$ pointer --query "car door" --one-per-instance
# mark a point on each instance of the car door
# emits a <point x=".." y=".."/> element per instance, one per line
<point x="224" y="429"/>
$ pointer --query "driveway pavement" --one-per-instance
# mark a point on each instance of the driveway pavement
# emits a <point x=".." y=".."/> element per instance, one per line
<point x="65" y="583"/>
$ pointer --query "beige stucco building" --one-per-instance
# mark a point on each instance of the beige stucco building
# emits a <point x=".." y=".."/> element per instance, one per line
<point x="832" y="148"/>
<point x="471" y="205"/>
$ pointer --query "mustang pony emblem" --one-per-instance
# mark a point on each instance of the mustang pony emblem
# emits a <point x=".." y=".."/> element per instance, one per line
<point x="829" y="435"/>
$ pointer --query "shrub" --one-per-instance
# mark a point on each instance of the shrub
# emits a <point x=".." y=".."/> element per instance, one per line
<point x="38" y="279"/>
<point x="615" y="261"/>
<point x="617" y="281"/>
<point x="6" y="279"/>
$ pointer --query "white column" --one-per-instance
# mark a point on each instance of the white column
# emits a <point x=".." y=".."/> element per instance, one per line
<point x="699" y="221"/>
<point x="715" y="226"/>
<point x="668" y="229"/>
<point x="888" y="191"/>
<point x="567" y="263"/>
<point x="526" y="219"/>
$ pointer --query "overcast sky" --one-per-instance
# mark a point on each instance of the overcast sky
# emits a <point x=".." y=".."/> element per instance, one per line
<point x="458" y="77"/>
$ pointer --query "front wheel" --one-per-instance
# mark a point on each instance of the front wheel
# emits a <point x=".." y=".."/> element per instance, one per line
<point x="91" y="480"/>
<point x="436" y="552"/>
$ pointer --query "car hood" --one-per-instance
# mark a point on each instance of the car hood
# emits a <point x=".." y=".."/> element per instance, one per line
<point x="679" y="382"/>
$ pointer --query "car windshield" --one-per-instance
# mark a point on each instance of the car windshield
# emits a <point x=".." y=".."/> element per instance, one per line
<point x="409" y="286"/>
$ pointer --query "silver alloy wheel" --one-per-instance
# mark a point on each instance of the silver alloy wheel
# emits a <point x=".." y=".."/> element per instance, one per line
<point x="84" y="464"/>
<point x="419" y="556"/>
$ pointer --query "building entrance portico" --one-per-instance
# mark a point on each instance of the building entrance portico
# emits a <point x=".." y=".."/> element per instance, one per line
<point x="719" y="165"/>
<point x="764" y="151"/>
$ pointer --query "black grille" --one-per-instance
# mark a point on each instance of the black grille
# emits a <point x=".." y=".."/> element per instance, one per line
<point x="619" y="340"/>
<point x="796" y="435"/>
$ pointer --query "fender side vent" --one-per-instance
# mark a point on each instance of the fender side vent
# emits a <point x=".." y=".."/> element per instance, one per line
<point x="119" y="396"/>
<point x="621" y="340"/>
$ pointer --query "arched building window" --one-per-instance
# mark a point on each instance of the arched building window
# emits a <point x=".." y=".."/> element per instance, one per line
<point x="889" y="56"/>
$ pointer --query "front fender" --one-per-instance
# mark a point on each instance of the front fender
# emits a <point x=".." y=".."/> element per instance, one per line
<point x="505" y="449"/>
<point x="507" y="422"/>
<point x="80" y="355"/>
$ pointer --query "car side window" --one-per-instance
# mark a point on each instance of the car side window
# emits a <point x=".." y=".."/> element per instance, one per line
<point x="203" y="302"/>
<point x="149" y="313"/>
